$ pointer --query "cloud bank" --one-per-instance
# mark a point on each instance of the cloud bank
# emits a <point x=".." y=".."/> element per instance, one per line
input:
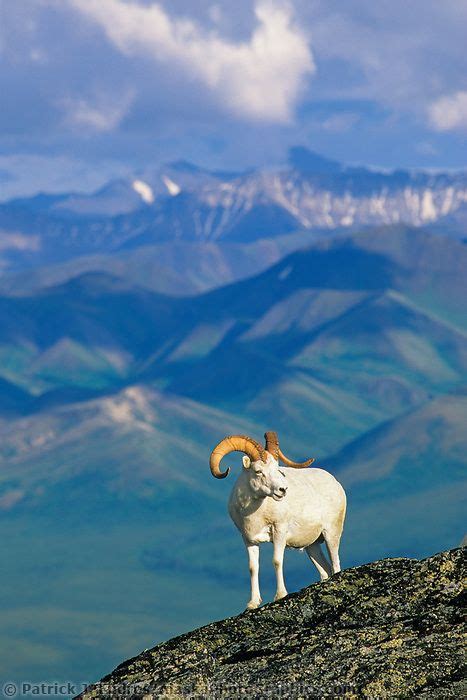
<point x="90" y="84"/>
<point x="259" y="79"/>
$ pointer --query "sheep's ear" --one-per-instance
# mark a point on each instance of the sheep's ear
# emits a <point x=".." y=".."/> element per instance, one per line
<point x="246" y="462"/>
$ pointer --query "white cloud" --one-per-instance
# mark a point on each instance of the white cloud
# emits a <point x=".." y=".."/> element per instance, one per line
<point x="449" y="113"/>
<point x="260" y="79"/>
<point x="102" y="115"/>
<point x="401" y="55"/>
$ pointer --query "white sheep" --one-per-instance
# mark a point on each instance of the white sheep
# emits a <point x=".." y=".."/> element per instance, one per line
<point x="292" y="507"/>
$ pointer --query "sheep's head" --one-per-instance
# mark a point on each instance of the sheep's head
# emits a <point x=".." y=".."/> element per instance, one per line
<point x="265" y="476"/>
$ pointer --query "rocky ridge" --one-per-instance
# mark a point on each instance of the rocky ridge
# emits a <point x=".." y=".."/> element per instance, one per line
<point x="389" y="629"/>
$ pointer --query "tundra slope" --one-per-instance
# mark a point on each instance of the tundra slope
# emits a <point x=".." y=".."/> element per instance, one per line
<point x="390" y="629"/>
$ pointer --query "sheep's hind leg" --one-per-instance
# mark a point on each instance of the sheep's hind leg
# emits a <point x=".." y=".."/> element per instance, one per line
<point x="253" y="562"/>
<point x="332" y="545"/>
<point x="319" y="560"/>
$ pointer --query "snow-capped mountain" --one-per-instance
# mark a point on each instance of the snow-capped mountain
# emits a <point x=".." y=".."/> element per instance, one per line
<point x="310" y="192"/>
<point x="181" y="202"/>
<point x="145" y="188"/>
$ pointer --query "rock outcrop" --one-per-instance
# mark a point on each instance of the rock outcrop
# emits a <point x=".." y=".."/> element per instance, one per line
<point x="390" y="629"/>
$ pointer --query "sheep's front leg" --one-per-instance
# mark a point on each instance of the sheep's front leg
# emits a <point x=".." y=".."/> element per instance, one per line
<point x="278" y="560"/>
<point x="253" y="562"/>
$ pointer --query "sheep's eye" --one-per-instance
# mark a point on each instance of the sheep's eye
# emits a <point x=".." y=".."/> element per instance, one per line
<point x="260" y="473"/>
<point x="281" y="472"/>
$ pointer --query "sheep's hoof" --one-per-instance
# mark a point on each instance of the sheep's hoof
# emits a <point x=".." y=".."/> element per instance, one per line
<point x="253" y="604"/>
<point x="280" y="595"/>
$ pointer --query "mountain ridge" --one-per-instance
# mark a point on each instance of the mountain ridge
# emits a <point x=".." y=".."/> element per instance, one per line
<point x="173" y="203"/>
<point x="319" y="304"/>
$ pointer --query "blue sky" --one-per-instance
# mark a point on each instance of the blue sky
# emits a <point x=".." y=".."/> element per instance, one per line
<point x="95" y="88"/>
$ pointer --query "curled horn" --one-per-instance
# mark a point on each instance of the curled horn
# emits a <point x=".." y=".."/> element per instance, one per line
<point x="272" y="446"/>
<point x="234" y="443"/>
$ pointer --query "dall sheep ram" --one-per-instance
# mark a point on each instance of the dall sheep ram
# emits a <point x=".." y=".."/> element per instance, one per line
<point x="291" y="507"/>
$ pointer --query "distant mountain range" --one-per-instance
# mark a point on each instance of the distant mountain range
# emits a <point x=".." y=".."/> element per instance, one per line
<point x="180" y="202"/>
<point x="330" y="343"/>
<point x="349" y="339"/>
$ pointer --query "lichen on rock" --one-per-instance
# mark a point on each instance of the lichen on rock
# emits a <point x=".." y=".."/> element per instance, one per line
<point x="389" y="629"/>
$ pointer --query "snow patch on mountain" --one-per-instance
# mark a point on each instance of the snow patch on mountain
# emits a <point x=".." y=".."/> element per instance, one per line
<point x="144" y="191"/>
<point x="172" y="186"/>
<point x="131" y="408"/>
